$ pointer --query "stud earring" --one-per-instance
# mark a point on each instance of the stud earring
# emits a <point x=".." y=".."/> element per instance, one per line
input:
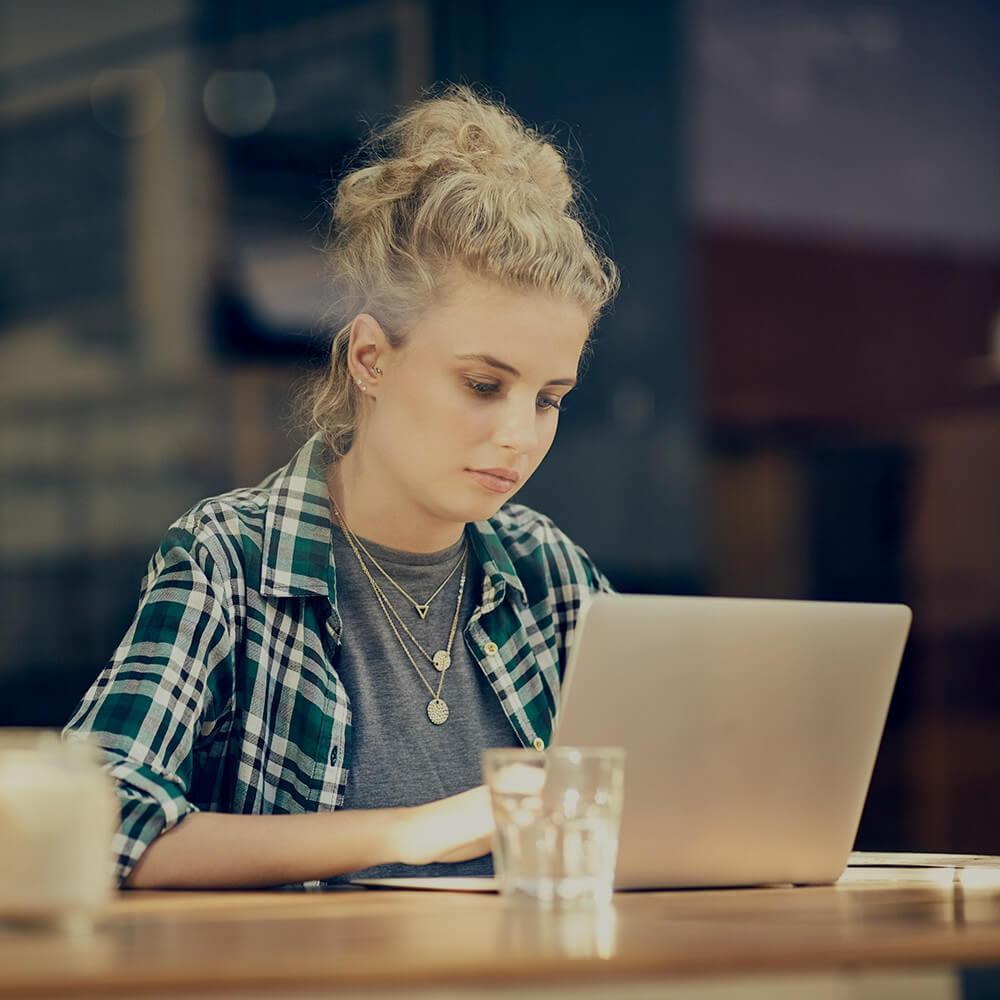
<point x="377" y="370"/>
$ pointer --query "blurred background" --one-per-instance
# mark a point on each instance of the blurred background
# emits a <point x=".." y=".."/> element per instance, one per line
<point x="796" y="395"/>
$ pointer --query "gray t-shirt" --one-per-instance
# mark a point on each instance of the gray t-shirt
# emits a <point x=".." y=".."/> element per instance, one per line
<point x="398" y="756"/>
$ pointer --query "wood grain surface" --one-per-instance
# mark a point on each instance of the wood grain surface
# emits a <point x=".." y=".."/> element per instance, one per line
<point x="383" y="939"/>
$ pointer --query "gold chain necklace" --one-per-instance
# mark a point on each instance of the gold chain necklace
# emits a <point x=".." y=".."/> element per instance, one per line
<point x="441" y="660"/>
<point x="437" y="707"/>
<point x="421" y="609"/>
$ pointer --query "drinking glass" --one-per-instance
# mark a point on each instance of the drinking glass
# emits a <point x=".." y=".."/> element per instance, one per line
<point x="557" y="813"/>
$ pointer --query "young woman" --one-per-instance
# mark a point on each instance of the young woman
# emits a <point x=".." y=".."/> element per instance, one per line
<point x="317" y="662"/>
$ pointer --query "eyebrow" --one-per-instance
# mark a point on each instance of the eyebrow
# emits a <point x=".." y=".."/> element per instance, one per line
<point x="488" y="359"/>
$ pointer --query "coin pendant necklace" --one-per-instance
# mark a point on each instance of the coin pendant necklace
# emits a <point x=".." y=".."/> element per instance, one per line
<point x="437" y="707"/>
<point x="441" y="660"/>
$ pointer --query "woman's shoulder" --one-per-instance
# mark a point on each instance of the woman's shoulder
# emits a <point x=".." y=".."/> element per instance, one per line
<point x="226" y="530"/>
<point x="525" y="529"/>
<point x="532" y="538"/>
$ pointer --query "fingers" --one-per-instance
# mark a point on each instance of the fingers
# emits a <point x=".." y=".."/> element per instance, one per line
<point x="466" y="852"/>
<point x="457" y="828"/>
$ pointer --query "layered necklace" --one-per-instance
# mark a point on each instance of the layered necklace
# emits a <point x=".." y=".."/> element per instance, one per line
<point x="421" y="609"/>
<point x="437" y="707"/>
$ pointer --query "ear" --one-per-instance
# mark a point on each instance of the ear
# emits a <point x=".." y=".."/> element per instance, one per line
<point x="367" y="344"/>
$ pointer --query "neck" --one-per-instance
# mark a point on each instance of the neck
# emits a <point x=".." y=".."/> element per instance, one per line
<point x="376" y="509"/>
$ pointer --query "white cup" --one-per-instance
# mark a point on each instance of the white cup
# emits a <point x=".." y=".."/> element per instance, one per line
<point x="58" y="814"/>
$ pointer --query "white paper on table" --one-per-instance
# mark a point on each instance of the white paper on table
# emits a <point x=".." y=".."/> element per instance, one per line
<point x="873" y="859"/>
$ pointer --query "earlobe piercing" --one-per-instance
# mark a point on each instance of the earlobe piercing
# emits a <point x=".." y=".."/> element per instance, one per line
<point x="375" y="371"/>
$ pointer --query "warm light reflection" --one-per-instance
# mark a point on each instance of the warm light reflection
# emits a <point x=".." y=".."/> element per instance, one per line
<point x="579" y="934"/>
<point x="979" y="878"/>
<point x="877" y="877"/>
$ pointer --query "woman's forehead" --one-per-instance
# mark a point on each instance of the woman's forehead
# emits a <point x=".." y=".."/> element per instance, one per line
<point x="483" y="319"/>
<point x="545" y="355"/>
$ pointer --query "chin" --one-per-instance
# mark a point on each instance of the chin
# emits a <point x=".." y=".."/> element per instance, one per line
<point x="485" y="510"/>
<point x="491" y="506"/>
<point x="480" y="505"/>
<point x="479" y="510"/>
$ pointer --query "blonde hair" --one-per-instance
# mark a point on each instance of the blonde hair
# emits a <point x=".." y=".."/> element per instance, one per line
<point x="457" y="182"/>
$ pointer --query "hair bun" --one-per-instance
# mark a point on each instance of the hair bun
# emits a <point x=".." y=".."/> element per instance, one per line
<point x="460" y="131"/>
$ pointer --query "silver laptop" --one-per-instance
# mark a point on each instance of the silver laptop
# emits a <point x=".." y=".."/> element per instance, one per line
<point x="750" y="728"/>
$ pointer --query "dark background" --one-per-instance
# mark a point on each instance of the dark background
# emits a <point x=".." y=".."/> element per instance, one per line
<point x="797" y="393"/>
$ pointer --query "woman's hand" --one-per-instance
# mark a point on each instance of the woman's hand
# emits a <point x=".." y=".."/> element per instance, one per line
<point x="457" y="828"/>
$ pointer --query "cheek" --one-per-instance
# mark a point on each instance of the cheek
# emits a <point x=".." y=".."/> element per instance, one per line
<point x="420" y="406"/>
<point x="474" y="422"/>
<point x="546" y="436"/>
<point x="432" y="425"/>
<point x="460" y="414"/>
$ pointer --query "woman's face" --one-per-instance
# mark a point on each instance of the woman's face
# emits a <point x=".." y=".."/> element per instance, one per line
<point x="477" y="385"/>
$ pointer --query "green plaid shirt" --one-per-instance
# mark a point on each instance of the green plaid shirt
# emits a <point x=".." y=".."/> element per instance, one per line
<point x="224" y="696"/>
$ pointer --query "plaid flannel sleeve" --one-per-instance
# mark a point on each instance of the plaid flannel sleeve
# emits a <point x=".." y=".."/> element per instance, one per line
<point x="168" y="682"/>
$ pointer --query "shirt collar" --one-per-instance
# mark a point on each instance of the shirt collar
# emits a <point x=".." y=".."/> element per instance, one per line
<point x="298" y="561"/>
<point x="492" y="555"/>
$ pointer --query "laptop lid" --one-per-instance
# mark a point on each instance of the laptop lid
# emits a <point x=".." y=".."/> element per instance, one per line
<point x="750" y="728"/>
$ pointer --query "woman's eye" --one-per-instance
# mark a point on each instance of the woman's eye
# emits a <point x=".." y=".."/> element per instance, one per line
<point x="482" y="388"/>
<point x="491" y="388"/>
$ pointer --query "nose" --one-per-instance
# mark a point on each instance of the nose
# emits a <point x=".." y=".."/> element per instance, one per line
<point x="518" y="427"/>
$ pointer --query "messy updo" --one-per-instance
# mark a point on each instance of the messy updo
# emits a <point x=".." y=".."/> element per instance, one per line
<point x="456" y="184"/>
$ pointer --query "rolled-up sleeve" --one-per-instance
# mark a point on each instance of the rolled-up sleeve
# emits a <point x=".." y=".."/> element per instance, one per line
<point x="169" y="681"/>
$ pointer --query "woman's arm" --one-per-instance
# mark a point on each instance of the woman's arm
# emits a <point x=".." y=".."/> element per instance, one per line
<point x="221" y="851"/>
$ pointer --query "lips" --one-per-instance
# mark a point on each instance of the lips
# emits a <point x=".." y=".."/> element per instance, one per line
<point x="500" y="473"/>
<point x="495" y="480"/>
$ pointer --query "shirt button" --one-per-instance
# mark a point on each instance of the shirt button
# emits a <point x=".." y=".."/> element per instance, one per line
<point x="539" y="743"/>
<point x="333" y="755"/>
<point x="491" y="648"/>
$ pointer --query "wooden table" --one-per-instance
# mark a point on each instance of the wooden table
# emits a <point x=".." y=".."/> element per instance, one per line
<point x="906" y="925"/>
